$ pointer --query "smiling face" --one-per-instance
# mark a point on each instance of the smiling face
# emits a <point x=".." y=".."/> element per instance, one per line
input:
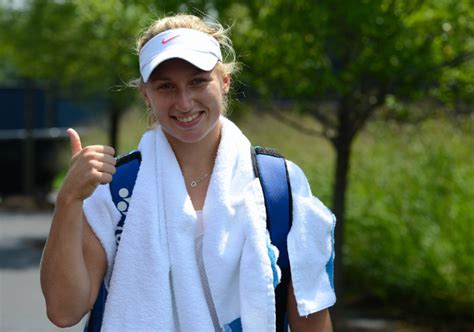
<point x="186" y="101"/>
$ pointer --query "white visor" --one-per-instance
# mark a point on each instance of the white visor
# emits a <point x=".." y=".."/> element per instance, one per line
<point x="198" y="48"/>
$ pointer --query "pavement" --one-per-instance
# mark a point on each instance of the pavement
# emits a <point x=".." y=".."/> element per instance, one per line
<point x="22" y="306"/>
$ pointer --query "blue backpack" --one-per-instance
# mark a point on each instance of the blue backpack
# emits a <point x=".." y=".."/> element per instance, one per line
<point x="271" y="168"/>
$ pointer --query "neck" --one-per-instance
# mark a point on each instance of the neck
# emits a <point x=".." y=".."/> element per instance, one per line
<point x="197" y="159"/>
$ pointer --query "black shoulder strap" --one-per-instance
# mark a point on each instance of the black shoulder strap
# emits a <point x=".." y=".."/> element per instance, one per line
<point x="270" y="167"/>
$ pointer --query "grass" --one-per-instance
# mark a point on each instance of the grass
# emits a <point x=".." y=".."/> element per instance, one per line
<point x="410" y="217"/>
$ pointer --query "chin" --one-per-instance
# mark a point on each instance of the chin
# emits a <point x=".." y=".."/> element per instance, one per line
<point x="189" y="138"/>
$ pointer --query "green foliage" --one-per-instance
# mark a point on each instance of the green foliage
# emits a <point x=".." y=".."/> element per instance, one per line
<point x="79" y="48"/>
<point x="346" y="62"/>
<point x="409" y="238"/>
<point x="84" y="44"/>
<point x="357" y="53"/>
<point x="89" y="43"/>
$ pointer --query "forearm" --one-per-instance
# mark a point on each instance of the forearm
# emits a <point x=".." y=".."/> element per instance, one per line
<point x="74" y="261"/>
<point x="65" y="280"/>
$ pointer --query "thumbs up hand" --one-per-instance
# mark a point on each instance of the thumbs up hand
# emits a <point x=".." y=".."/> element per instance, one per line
<point x="89" y="167"/>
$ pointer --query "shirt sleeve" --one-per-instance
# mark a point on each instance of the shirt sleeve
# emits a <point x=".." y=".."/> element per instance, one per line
<point x="103" y="216"/>
<point x="310" y="247"/>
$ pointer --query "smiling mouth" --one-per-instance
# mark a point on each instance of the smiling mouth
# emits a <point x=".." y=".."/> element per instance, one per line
<point x="188" y="119"/>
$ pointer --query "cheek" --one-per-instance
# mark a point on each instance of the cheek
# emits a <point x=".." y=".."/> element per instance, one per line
<point x="216" y="104"/>
<point x="216" y="98"/>
<point x="158" y="110"/>
<point x="159" y="104"/>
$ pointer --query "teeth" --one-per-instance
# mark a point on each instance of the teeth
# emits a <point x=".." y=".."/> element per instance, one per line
<point x="188" y="118"/>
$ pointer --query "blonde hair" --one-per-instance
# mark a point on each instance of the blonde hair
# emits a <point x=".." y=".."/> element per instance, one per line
<point x="229" y="64"/>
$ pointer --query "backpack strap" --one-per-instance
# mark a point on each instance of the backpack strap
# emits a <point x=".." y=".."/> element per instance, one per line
<point x="121" y="189"/>
<point x="270" y="167"/>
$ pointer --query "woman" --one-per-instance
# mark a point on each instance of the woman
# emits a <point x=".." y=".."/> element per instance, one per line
<point x="194" y="254"/>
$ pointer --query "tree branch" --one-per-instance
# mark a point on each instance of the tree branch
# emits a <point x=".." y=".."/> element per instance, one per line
<point x="296" y="125"/>
<point x="416" y="5"/>
<point x="460" y="59"/>
<point x="325" y="121"/>
<point x="364" y="115"/>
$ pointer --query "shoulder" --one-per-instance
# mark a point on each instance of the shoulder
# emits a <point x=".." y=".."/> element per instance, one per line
<point x="302" y="193"/>
<point x="299" y="182"/>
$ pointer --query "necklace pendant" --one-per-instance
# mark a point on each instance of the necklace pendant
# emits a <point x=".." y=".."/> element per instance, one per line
<point x="194" y="183"/>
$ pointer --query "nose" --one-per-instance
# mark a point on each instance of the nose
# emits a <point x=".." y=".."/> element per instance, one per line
<point x="184" y="100"/>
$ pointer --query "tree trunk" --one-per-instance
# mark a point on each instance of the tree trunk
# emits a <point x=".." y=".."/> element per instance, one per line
<point x="343" y="151"/>
<point x="342" y="144"/>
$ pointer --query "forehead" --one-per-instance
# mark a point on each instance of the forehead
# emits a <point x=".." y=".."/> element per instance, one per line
<point x="175" y="68"/>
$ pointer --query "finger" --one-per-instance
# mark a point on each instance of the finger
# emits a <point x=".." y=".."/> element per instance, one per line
<point x="76" y="145"/>
<point x="107" y="150"/>
<point x="106" y="168"/>
<point x="104" y="149"/>
<point x="105" y="178"/>
<point x="97" y="177"/>
<point x="105" y="158"/>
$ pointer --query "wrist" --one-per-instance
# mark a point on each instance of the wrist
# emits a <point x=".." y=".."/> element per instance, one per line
<point x="67" y="199"/>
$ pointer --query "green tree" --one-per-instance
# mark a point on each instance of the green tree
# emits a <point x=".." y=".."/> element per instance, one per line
<point x="83" y="47"/>
<point x="345" y="62"/>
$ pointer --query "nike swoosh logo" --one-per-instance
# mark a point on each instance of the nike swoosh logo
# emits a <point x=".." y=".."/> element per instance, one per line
<point x="164" y="41"/>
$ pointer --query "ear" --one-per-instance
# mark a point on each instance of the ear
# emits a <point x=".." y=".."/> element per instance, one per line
<point x="142" y="89"/>
<point x="226" y="83"/>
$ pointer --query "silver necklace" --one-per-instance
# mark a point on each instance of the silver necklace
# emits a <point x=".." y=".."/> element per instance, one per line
<point x="194" y="183"/>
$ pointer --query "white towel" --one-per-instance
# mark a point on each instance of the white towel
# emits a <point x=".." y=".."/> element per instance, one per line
<point x="155" y="284"/>
<point x="310" y="246"/>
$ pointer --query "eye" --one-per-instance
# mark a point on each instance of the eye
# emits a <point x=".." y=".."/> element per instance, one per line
<point x="197" y="81"/>
<point x="164" y="86"/>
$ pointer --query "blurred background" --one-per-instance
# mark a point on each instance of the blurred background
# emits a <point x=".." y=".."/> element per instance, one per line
<point x="374" y="99"/>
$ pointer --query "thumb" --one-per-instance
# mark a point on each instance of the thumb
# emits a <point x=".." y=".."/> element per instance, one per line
<point x="76" y="145"/>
